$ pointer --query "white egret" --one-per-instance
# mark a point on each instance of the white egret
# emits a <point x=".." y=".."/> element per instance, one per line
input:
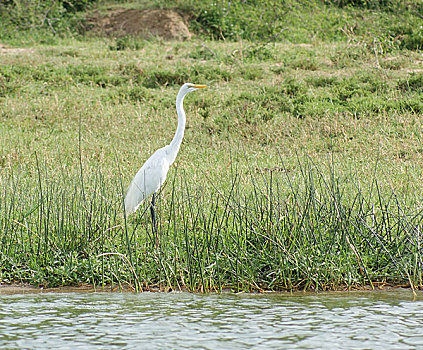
<point x="153" y="173"/>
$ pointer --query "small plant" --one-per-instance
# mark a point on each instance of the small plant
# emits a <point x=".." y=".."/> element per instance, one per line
<point x="414" y="83"/>
<point x="258" y="53"/>
<point x="202" y="53"/>
<point x="127" y="42"/>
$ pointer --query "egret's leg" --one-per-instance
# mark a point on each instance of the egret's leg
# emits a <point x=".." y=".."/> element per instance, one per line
<point x="153" y="217"/>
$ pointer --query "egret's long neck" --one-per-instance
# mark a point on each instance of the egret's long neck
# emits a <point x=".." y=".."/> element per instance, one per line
<point x="179" y="134"/>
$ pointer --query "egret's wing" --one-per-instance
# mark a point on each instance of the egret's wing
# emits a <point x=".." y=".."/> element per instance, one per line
<point x="147" y="180"/>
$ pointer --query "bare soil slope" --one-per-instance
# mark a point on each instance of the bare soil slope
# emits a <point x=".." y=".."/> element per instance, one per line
<point x="164" y="23"/>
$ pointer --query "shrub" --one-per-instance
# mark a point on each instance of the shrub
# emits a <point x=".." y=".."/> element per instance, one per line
<point x="36" y="14"/>
<point x="255" y="19"/>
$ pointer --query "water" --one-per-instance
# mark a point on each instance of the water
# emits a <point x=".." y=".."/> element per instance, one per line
<point x="388" y="320"/>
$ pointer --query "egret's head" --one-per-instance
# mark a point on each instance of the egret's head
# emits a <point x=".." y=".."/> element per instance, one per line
<point x="188" y="87"/>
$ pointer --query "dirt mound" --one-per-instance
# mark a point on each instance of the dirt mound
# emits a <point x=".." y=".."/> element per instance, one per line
<point x="167" y="24"/>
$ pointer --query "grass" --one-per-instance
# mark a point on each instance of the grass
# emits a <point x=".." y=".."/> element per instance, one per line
<point x="301" y="166"/>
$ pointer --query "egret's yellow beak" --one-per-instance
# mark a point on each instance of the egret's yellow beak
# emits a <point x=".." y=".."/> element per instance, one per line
<point x="199" y="86"/>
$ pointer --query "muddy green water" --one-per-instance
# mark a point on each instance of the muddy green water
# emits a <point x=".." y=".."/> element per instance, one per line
<point x="377" y="320"/>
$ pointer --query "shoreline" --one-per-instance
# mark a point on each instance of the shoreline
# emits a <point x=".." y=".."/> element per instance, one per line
<point x="23" y="288"/>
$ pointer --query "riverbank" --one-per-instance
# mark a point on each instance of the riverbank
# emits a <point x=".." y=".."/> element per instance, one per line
<point x="301" y="166"/>
<point x="20" y="288"/>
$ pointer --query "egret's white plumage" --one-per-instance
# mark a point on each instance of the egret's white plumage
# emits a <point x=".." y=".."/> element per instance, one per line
<point x="153" y="173"/>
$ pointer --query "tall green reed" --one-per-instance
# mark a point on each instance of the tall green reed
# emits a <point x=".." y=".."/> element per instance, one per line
<point x="266" y="229"/>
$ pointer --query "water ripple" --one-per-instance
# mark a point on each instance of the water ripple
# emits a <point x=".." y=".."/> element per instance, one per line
<point x="188" y="321"/>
